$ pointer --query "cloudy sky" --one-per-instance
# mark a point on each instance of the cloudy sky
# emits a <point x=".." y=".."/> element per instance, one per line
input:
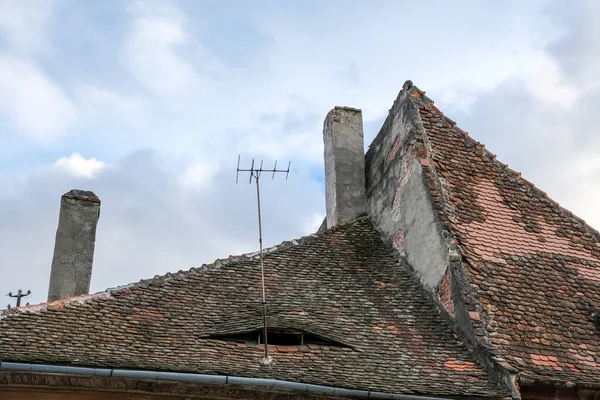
<point x="149" y="103"/>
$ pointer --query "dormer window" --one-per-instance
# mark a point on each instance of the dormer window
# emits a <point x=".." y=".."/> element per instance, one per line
<point x="280" y="337"/>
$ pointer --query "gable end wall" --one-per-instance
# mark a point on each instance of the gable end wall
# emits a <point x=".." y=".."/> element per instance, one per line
<point x="401" y="207"/>
<point x="398" y="199"/>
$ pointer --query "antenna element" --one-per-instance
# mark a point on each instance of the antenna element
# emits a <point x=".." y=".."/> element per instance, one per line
<point x="255" y="173"/>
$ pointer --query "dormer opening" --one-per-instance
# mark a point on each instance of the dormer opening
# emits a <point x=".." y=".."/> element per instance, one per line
<point x="594" y="315"/>
<point x="279" y="337"/>
<point x="282" y="337"/>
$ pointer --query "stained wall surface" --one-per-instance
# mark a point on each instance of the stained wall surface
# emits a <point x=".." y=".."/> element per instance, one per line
<point x="398" y="198"/>
<point x="74" y="247"/>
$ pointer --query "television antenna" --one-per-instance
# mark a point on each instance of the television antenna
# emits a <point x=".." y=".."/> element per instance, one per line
<point x="18" y="296"/>
<point x="256" y="173"/>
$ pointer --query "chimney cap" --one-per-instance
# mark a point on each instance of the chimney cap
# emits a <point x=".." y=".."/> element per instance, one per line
<point x="85" y="195"/>
<point x="347" y="108"/>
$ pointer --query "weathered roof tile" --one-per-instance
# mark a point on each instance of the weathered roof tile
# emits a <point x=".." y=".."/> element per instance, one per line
<point x="533" y="264"/>
<point x="343" y="285"/>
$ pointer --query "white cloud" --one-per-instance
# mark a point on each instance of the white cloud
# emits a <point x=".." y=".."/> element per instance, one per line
<point x="155" y="47"/>
<point x="313" y="54"/>
<point x="313" y="223"/>
<point x="8" y="186"/>
<point x="78" y="166"/>
<point x="38" y="107"/>
<point x="23" y="23"/>
<point x="311" y="62"/>
<point x="197" y="175"/>
<point x="96" y="103"/>
<point x="546" y="83"/>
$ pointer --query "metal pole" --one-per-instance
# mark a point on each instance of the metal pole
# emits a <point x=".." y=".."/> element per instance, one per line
<point x="266" y="360"/>
<point x="255" y="173"/>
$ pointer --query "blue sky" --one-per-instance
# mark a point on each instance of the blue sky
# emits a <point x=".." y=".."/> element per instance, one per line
<point x="148" y="104"/>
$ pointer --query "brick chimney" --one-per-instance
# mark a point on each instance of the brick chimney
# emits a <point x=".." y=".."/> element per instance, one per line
<point x="344" y="165"/>
<point x="74" y="246"/>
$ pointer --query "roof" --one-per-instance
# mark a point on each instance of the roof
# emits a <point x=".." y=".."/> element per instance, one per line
<point x="344" y="285"/>
<point x="533" y="267"/>
<point x="526" y="280"/>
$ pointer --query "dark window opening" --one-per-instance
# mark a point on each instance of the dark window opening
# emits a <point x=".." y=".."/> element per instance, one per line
<point x="308" y="338"/>
<point x="594" y="315"/>
<point x="239" y="337"/>
<point x="279" y="337"/>
<point x="282" y="337"/>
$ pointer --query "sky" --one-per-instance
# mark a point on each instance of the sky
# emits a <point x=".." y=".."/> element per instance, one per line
<point x="149" y="103"/>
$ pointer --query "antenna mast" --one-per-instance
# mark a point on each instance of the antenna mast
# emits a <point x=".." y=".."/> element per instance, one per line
<point x="255" y="173"/>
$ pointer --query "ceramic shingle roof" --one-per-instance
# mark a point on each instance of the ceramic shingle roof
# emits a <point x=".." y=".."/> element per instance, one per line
<point x="533" y="267"/>
<point x="344" y="285"/>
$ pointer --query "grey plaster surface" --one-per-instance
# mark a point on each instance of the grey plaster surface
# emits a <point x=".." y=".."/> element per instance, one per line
<point x="74" y="246"/>
<point x="398" y="199"/>
<point x="344" y="165"/>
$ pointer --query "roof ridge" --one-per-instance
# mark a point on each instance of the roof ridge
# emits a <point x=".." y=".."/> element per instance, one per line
<point x="104" y="294"/>
<point x="517" y="175"/>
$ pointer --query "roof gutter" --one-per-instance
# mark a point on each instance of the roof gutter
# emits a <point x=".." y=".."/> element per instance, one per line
<point x="265" y="384"/>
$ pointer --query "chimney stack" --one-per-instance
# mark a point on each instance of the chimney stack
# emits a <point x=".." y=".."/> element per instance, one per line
<point x="74" y="246"/>
<point x="344" y="165"/>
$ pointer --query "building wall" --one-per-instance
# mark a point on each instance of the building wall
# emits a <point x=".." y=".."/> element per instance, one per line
<point x="549" y="392"/>
<point x="398" y="199"/>
<point x="401" y="206"/>
<point x="17" y="393"/>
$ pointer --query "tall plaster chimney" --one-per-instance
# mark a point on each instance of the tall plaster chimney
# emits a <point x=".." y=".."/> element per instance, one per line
<point x="74" y="246"/>
<point x="345" y="196"/>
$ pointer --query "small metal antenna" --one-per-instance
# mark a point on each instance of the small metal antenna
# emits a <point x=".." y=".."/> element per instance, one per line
<point x="18" y="296"/>
<point x="255" y="173"/>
